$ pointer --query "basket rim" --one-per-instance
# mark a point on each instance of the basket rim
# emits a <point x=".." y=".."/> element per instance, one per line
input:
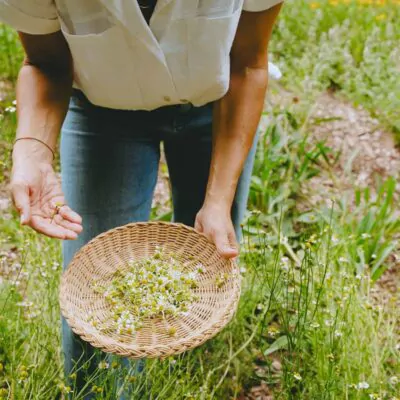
<point x="102" y="341"/>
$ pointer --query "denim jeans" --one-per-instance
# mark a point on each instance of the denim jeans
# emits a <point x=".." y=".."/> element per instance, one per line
<point x="109" y="167"/>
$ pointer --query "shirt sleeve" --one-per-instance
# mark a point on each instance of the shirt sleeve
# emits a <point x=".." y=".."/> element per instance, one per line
<point x="259" y="5"/>
<point x="34" y="17"/>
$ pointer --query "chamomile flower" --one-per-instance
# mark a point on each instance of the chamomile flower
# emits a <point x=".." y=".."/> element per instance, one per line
<point x="147" y="288"/>
<point x="394" y="380"/>
<point x="362" y="385"/>
<point x="297" y="376"/>
<point x="103" y="365"/>
<point x="25" y="304"/>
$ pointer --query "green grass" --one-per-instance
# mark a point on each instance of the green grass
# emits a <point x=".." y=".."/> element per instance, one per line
<point x="350" y="47"/>
<point x="308" y="323"/>
<point x="307" y="299"/>
<point x="10" y="53"/>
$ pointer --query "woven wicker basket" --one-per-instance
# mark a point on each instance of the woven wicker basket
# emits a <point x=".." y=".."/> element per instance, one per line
<point x="98" y="260"/>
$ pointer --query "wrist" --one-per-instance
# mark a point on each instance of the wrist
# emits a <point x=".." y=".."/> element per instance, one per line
<point x="221" y="189"/>
<point x="218" y="203"/>
<point x="31" y="150"/>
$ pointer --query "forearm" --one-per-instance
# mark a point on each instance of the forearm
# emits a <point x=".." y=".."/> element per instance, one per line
<point x="43" y="91"/>
<point x="236" y="117"/>
<point x="42" y="103"/>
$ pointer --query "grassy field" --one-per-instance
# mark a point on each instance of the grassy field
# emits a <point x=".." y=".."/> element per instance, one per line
<point x="346" y="46"/>
<point x="311" y="324"/>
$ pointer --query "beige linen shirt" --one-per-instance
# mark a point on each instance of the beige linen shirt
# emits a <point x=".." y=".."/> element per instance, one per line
<point x="122" y="62"/>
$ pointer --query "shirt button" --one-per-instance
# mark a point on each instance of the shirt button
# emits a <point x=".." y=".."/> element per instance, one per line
<point x="167" y="98"/>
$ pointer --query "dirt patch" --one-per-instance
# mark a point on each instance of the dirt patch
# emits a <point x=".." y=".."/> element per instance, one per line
<point x="367" y="156"/>
<point x="366" y="152"/>
<point x="259" y="392"/>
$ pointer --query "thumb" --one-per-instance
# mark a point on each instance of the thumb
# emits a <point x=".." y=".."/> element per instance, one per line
<point x="226" y="244"/>
<point x="20" y="193"/>
<point x="198" y="225"/>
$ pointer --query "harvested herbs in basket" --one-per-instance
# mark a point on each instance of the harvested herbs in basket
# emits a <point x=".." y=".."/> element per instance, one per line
<point x="126" y="301"/>
<point x="156" y="286"/>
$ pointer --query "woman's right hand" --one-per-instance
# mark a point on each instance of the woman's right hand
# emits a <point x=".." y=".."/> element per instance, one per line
<point x="37" y="193"/>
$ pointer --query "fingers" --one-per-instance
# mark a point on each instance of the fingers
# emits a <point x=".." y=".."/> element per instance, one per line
<point x="70" y="215"/>
<point x="222" y="235"/>
<point x="226" y="244"/>
<point x="20" y="194"/>
<point x="71" y="226"/>
<point x="52" y="229"/>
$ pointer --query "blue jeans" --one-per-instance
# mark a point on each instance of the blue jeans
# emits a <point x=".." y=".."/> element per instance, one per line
<point x="109" y="166"/>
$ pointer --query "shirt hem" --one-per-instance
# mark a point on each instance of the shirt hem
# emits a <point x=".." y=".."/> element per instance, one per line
<point x="26" y="23"/>
<point x="260" y="5"/>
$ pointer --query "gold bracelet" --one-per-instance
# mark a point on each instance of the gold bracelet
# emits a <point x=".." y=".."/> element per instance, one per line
<point x="38" y="140"/>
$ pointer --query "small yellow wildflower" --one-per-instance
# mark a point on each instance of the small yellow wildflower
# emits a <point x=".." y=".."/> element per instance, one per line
<point x="273" y="331"/>
<point x="114" y="365"/>
<point x="380" y="17"/>
<point x="314" y="5"/>
<point x="171" y="331"/>
<point x="64" y="389"/>
<point x="97" y="389"/>
<point x="23" y="375"/>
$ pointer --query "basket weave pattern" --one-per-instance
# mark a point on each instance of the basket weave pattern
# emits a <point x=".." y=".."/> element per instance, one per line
<point x="98" y="260"/>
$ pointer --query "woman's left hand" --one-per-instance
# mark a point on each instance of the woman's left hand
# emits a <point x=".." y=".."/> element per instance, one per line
<point x="216" y="223"/>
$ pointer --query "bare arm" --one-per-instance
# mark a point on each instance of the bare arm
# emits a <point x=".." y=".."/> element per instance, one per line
<point x="43" y="91"/>
<point x="43" y="88"/>
<point x="236" y="117"/>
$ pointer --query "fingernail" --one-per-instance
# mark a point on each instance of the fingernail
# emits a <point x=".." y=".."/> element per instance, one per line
<point x="22" y="219"/>
<point x="232" y="250"/>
